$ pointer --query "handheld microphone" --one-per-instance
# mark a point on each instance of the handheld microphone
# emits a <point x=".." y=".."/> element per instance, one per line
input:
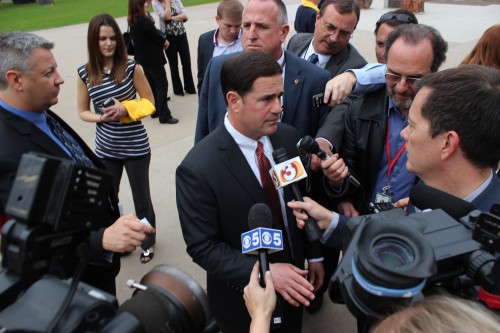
<point x="308" y="144"/>
<point x="426" y="197"/>
<point x="262" y="239"/>
<point x="287" y="172"/>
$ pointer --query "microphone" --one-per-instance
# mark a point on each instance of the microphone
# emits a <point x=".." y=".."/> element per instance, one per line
<point x="261" y="239"/>
<point x="426" y="197"/>
<point x="308" y="144"/>
<point x="287" y="172"/>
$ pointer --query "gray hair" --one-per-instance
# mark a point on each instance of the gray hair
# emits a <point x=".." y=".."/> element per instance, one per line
<point x="16" y="49"/>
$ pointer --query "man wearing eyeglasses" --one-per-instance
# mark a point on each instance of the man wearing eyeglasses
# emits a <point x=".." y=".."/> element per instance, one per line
<point x="372" y="149"/>
<point x="329" y="46"/>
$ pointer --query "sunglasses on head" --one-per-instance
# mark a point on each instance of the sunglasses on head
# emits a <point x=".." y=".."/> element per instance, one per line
<point x="400" y="17"/>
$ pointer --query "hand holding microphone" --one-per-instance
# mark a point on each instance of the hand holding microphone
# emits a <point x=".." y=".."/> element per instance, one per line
<point x="308" y="144"/>
<point x="287" y="172"/>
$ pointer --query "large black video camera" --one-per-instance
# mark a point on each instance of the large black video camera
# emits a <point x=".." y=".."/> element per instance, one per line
<point x="391" y="260"/>
<point x="54" y="204"/>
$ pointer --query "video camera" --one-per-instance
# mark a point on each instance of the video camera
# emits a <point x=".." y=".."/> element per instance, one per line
<point x="54" y="204"/>
<point x="391" y="260"/>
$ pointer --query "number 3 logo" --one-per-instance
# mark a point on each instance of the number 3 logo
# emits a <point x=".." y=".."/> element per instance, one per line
<point x="289" y="171"/>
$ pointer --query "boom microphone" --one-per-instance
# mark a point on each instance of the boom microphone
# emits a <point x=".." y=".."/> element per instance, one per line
<point x="426" y="197"/>
<point x="280" y="156"/>
<point x="308" y="144"/>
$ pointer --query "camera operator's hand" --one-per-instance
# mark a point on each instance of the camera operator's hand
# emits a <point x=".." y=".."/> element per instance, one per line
<point x="402" y="203"/>
<point x="260" y="302"/>
<point x="291" y="283"/>
<point x="347" y="209"/>
<point x="319" y="213"/>
<point x="335" y="170"/>
<point x="125" y="234"/>
<point x="338" y="88"/>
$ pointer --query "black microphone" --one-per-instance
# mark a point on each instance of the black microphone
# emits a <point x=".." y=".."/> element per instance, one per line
<point x="260" y="216"/>
<point x="311" y="228"/>
<point x="426" y="197"/>
<point x="308" y="144"/>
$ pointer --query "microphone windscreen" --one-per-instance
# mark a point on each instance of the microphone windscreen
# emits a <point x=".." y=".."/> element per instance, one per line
<point x="150" y="307"/>
<point x="260" y="216"/>
<point x="426" y="197"/>
<point x="280" y="155"/>
<point x="308" y="144"/>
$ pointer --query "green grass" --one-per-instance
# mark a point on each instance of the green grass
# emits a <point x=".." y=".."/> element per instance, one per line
<point x="34" y="16"/>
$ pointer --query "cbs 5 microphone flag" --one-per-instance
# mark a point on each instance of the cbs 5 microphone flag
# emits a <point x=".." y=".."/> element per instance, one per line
<point x="261" y="238"/>
<point x="287" y="172"/>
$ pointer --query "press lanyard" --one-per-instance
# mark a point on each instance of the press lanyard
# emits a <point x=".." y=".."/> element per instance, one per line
<point x="390" y="164"/>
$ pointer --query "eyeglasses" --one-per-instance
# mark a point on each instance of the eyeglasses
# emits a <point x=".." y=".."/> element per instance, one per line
<point x="332" y="30"/>
<point x="395" y="78"/>
<point x="400" y="17"/>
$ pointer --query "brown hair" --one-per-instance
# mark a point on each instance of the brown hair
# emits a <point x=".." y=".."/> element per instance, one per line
<point x="135" y="8"/>
<point x="487" y="50"/>
<point x="95" y="63"/>
<point x="230" y="8"/>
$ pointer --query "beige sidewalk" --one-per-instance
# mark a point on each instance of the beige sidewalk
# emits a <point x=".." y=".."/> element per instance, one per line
<point x="460" y="25"/>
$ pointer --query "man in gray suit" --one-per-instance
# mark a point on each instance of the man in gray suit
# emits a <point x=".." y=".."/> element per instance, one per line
<point x="329" y="46"/>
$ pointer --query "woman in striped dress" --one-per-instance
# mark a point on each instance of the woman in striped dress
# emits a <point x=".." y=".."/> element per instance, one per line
<point x="110" y="74"/>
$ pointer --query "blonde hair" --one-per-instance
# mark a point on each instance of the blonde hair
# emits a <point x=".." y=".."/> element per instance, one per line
<point x="441" y="314"/>
<point x="487" y="50"/>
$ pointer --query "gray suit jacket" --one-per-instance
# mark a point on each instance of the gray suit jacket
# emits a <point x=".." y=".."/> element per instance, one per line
<point x="338" y="63"/>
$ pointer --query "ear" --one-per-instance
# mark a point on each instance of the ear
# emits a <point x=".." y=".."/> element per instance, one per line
<point x="217" y="19"/>
<point x="285" y="29"/>
<point x="449" y="144"/>
<point x="14" y="79"/>
<point x="233" y="101"/>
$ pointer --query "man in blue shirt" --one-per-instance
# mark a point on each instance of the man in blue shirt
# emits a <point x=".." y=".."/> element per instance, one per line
<point x="371" y="147"/>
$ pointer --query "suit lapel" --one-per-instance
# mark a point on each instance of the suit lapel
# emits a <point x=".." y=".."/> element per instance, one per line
<point x="294" y="81"/>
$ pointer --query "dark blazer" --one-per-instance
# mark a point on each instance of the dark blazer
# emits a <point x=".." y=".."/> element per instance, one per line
<point x="338" y="63"/>
<point x="490" y="195"/>
<point x="148" y="43"/>
<point x="302" y="81"/>
<point x="205" y="53"/>
<point x="305" y="19"/>
<point x="215" y="190"/>
<point x="24" y="137"/>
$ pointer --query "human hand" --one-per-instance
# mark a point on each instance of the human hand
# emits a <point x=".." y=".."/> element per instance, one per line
<point x="335" y="170"/>
<point x="260" y="302"/>
<point x="316" y="274"/>
<point x="166" y="44"/>
<point x="114" y="112"/>
<point x="315" y="160"/>
<point x="303" y="209"/>
<point x="402" y="203"/>
<point x="338" y="88"/>
<point x="291" y="283"/>
<point x="347" y="209"/>
<point x="125" y="234"/>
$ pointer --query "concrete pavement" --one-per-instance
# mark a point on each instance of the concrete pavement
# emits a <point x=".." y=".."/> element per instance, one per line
<point x="460" y="25"/>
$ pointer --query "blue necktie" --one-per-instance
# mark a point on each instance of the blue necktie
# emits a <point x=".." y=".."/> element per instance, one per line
<point x="313" y="58"/>
<point x="69" y="142"/>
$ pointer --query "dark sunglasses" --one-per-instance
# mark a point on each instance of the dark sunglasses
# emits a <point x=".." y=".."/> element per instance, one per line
<point x="400" y="17"/>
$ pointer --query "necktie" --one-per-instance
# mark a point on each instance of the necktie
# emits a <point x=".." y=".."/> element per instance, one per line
<point x="313" y="58"/>
<point x="267" y="182"/>
<point x="69" y="142"/>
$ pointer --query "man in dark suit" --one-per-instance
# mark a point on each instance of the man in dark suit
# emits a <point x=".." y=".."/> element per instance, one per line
<point x="451" y="139"/>
<point x="29" y="85"/>
<point x="226" y="39"/>
<point x="265" y="28"/>
<point x="328" y="47"/>
<point x="221" y="178"/>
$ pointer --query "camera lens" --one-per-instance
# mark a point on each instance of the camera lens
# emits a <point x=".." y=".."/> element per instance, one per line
<point x="393" y="254"/>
